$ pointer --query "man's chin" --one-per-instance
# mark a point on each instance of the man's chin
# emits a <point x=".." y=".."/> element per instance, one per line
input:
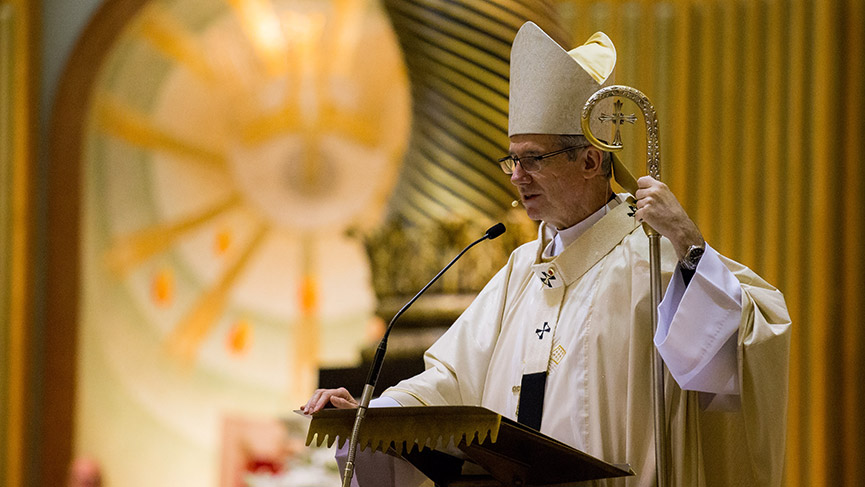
<point x="532" y="211"/>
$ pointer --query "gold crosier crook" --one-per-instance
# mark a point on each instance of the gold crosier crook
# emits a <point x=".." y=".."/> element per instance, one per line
<point x="653" y="166"/>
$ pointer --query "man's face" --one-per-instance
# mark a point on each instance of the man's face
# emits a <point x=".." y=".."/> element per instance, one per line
<point x="557" y="192"/>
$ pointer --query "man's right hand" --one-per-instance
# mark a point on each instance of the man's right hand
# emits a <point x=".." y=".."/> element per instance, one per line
<point x="339" y="398"/>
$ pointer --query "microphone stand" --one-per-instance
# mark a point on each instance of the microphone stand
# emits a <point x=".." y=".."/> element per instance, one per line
<point x="377" y="361"/>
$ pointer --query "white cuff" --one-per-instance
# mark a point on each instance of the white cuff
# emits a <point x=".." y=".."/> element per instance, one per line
<point x="384" y="402"/>
<point x="697" y="327"/>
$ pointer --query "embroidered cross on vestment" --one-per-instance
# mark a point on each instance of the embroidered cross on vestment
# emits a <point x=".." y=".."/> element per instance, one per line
<point x="543" y="329"/>
<point x="548" y="279"/>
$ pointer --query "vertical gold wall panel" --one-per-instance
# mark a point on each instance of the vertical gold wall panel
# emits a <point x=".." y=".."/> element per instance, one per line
<point x="673" y="168"/>
<point x="17" y="34"/>
<point x="751" y="121"/>
<point x="727" y="109"/>
<point x="660" y="65"/>
<point x="823" y="307"/>
<point x="761" y="106"/>
<point x="798" y="72"/>
<point x="772" y="136"/>
<point x="853" y="230"/>
<point x="8" y="438"/>
<point x="707" y="71"/>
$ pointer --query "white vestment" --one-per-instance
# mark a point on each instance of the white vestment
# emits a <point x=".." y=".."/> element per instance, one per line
<point x="583" y="316"/>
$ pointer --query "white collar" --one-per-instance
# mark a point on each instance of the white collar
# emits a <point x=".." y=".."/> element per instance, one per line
<point x="562" y="238"/>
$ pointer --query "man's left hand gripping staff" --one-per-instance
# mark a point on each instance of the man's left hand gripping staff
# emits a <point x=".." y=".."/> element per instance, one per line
<point x="658" y="206"/>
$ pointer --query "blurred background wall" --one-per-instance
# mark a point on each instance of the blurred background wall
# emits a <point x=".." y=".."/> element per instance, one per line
<point x="760" y="105"/>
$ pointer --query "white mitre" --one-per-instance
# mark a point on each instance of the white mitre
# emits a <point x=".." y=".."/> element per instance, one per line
<point x="549" y="85"/>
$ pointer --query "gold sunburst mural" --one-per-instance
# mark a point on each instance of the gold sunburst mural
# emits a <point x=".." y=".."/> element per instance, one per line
<point x="230" y="147"/>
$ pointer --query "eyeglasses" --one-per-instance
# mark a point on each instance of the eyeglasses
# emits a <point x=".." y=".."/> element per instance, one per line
<point x="531" y="163"/>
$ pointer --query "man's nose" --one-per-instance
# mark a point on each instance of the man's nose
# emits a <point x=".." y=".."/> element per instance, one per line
<point x="519" y="175"/>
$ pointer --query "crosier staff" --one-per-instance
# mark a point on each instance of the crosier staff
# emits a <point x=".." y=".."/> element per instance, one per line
<point x="653" y="166"/>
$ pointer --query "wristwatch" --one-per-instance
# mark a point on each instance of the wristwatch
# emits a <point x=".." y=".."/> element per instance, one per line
<point x="692" y="257"/>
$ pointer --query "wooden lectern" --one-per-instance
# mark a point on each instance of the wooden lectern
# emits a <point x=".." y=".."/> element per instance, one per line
<point x="493" y="451"/>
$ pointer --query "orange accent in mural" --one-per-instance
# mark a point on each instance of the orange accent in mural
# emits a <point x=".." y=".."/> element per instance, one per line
<point x="223" y="242"/>
<point x="239" y="337"/>
<point x="163" y="287"/>
<point x="308" y="295"/>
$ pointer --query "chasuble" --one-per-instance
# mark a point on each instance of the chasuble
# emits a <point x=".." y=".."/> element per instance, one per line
<point x="582" y="318"/>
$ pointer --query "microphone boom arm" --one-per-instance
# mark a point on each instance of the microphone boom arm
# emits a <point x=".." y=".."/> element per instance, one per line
<point x="378" y="360"/>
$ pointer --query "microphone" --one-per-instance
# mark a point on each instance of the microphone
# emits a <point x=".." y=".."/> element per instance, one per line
<point x="492" y="232"/>
<point x="371" y="379"/>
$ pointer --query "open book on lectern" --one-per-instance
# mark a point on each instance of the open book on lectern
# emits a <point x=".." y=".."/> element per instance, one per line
<point x="494" y="448"/>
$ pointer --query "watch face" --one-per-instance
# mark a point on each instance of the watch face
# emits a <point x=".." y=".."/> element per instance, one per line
<point x="230" y="148"/>
<point x="692" y="257"/>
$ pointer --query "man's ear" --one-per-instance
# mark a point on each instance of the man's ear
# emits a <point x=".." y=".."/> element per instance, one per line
<point x="592" y="162"/>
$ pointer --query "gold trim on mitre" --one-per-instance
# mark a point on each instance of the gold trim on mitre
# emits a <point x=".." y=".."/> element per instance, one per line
<point x="549" y="86"/>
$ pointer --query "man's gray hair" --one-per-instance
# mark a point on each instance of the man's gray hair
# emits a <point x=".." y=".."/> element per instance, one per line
<point x="581" y="141"/>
